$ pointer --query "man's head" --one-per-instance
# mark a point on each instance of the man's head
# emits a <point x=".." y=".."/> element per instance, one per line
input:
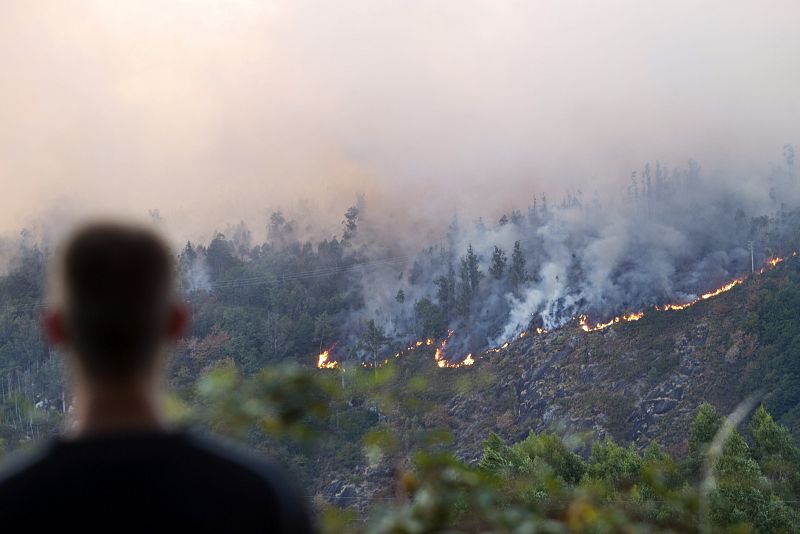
<point x="114" y="304"/>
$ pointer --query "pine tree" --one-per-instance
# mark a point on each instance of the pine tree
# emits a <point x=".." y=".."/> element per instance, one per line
<point x="518" y="273"/>
<point x="474" y="273"/>
<point x="702" y="430"/>
<point x="470" y="275"/>
<point x="499" y="262"/>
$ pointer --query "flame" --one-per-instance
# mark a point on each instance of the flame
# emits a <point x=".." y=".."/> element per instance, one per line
<point x="705" y="296"/>
<point x="444" y="364"/>
<point x="323" y="361"/>
<point x="583" y="320"/>
<point x="439" y="355"/>
<point x="633" y="316"/>
<point x="668" y="307"/>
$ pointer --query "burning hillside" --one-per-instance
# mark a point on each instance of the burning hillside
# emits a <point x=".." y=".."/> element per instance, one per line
<point x="440" y="356"/>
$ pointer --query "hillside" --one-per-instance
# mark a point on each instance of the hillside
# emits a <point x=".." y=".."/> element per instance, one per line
<point x="636" y="381"/>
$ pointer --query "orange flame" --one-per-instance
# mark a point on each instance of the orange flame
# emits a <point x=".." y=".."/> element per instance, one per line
<point x="323" y="361"/>
<point x="583" y="320"/>
<point x="444" y="364"/>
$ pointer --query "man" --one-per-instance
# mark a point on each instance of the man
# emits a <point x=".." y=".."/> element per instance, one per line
<point x="114" y="312"/>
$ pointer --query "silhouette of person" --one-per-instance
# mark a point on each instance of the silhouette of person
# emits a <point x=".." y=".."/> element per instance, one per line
<point x="114" y="311"/>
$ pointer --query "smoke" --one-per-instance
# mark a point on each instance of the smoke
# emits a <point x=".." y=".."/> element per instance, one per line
<point x="216" y="112"/>
<point x="196" y="275"/>
<point x="665" y="237"/>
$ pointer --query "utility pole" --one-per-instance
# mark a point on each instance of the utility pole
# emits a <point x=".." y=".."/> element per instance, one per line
<point x="752" y="259"/>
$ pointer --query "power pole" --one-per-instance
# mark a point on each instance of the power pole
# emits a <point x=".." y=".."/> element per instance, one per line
<point x="752" y="259"/>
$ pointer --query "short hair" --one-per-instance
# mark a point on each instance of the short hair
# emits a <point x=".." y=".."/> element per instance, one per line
<point x="116" y="283"/>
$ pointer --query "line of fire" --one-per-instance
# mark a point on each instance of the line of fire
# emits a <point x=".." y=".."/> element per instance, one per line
<point x="324" y="360"/>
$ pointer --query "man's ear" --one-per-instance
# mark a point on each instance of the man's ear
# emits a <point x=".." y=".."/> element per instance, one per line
<point x="54" y="327"/>
<point x="178" y="321"/>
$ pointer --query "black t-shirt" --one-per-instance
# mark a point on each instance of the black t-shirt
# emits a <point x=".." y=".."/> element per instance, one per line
<point x="147" y="483"/>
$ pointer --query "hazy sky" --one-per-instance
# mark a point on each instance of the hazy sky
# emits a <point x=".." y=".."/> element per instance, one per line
<point x="214" y="111"/>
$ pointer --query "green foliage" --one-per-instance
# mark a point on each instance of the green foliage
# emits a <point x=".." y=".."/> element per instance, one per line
<point x="373" y="339"/>
<point x="392" y="422"/>
<point x="614" y="465"/>
<point x="777" y="370"/>
<point x="470" y="277"/>
<point x="776" y="452"/>
<point x="704" y="427"/>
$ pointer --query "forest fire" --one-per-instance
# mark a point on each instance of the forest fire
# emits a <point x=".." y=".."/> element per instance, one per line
<point x="584" y="324"/>
<point x="583" y="321"/>
<point x="705" y="296"/>
<point x="324" y="362"/>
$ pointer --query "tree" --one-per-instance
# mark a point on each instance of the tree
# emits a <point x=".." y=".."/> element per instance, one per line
<point x="470" y="276"/>
<point x="188" y="255"/>
<point x="497" y="456"/>
<point x="613" y="464"/>
<point x="499" y="261"/>
<point x="446" y="291"/>
<point x="400" y="297"/>
<point x="776" y="452"/>
<point x="279" y="231"/>
<point x="220" y="256"/>
<point x="350" y="224"/>
<point x="740" y="501"/>
<point x="474" y="274"/>
<point x="430" y="319"/>
<point x="704" y="427"/>
<point x="518" y="273"/>
<point x="351" y="219"/>
<point x="373" y="339"/>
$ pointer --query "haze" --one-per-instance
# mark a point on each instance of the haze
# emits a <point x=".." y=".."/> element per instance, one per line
<point x="215" y="111"/>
